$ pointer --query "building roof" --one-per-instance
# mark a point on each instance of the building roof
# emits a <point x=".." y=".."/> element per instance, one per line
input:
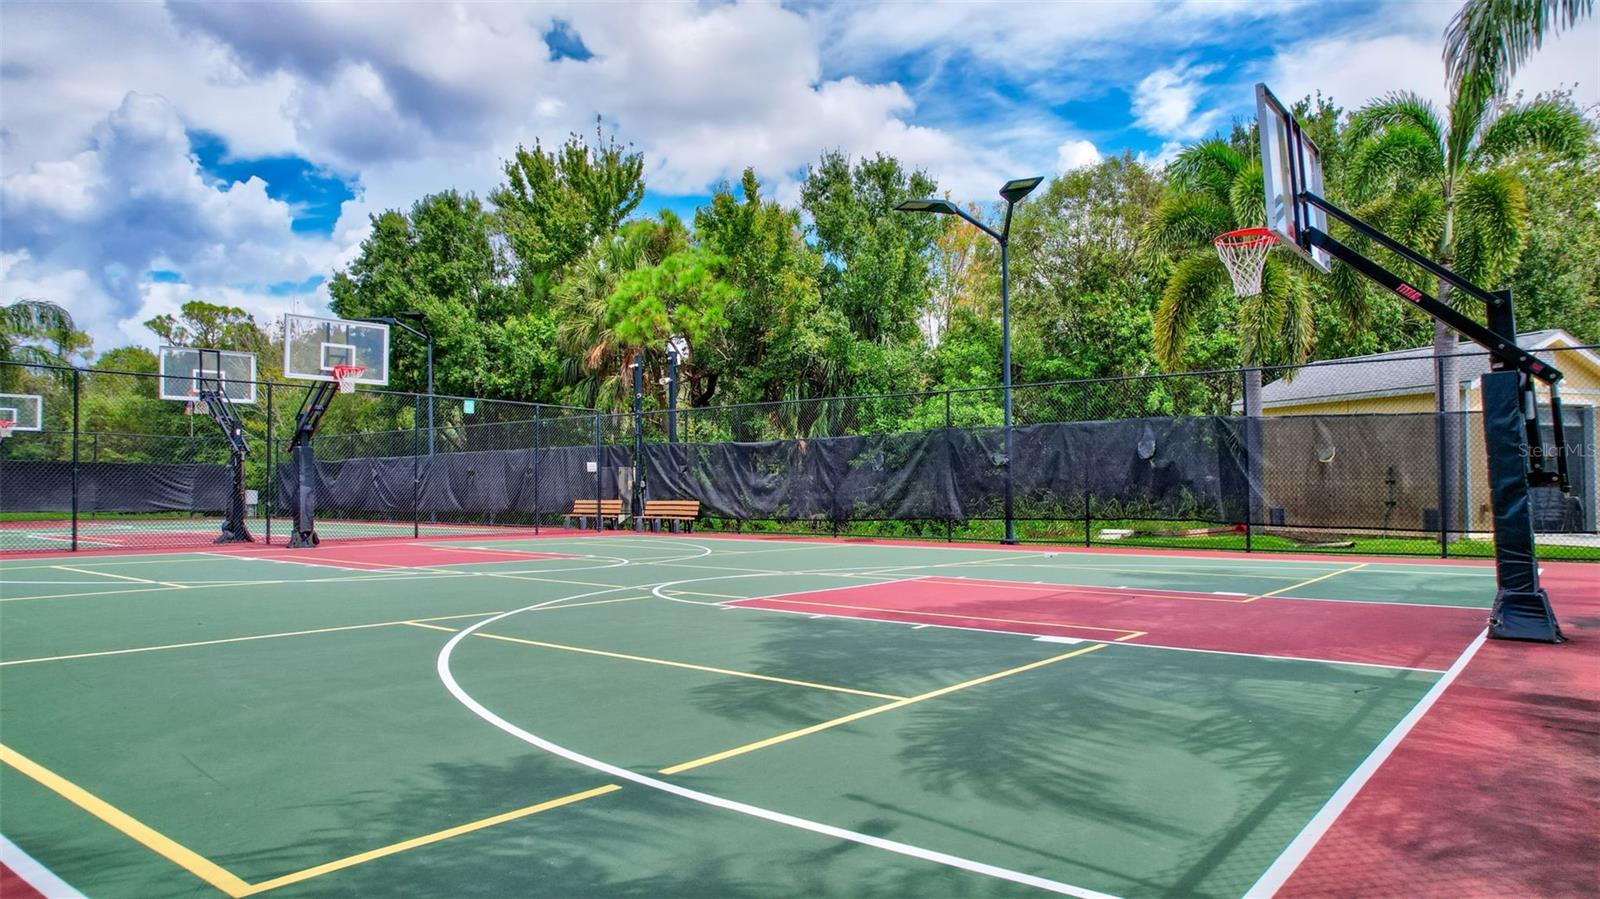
<point x="1396" y="373"/>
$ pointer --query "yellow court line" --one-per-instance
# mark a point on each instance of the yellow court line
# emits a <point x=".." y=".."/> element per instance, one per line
<point x="875" y="710"/>
<point x="669" y="663"/>
<point x="120" y="577"/>
<point x="1311" y="581"/>
<point x="1055" y="624"/>
<point x="178" y="854"/>
<point x="414" y="842"/>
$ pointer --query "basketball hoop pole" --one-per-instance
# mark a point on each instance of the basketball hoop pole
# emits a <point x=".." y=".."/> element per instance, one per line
<point x="1509" y="411"/>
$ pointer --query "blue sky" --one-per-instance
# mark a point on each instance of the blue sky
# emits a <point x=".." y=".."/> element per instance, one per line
<point x="156" y="153"/>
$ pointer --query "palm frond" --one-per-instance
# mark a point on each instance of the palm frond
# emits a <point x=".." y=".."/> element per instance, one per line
<point x="1247" y="198"/>
<point x="1493" y="38"/>
<point x="1401" y="155"/>
<point x="1491" y="220"/>
<point x="1472" y="110"/>
<point x="1209" y="166"/>
<point x="1195" y="282"/>
<point x="1297" y="335"/>
<point x="35" y="318"/>
<point x="1391" y="110"/>
<point x="1259" y="318"/>
<point x="1543" y="126"/>
<point x="1184" y="222"/>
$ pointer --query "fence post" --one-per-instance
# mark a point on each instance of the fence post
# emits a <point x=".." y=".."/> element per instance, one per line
<point x="77" y="391"/>
<point x="635" y="501"/>
<point x="1083" y="465"/>
<point x="1441" y="426"/>
<point x="269" y="486"/>
<point x="537" y="410"/>
<point x="949" y="463"/>
<point x="416" y="459"/>
<point x="599" y="491"/>
<point x="1246" y="398"/>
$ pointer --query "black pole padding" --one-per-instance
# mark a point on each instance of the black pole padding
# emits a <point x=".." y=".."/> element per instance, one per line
<point x="1521" y="607"/>
<point x="234" y="529"/>
<point x="305" y="497"/>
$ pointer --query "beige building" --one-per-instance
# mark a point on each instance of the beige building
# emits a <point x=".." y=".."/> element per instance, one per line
<point x="1403" y="381"/>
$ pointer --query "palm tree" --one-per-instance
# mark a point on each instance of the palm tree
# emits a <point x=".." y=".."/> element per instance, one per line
<point x="596" y="355"/>
<point x="1445" y="183"/>
<point x="1491" y="38"/>
<point x="1216" y="186"/>
<point x="37" y="332"/>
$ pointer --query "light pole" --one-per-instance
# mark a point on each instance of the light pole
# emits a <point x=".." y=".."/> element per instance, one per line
<point x="394" y="322"/>
<point x="1012" y="192"/>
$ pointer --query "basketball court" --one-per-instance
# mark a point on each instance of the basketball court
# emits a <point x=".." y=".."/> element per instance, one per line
<point x="456" y="709"/>
<point x="686" y="715"/>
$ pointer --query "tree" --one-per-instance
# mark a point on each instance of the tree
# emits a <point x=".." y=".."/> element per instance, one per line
<point x="445" y="260"/>
<point x="683" y="295"/>
<point x="763" y="350"/>
<point x="875" y="260"/>
<point x="595" y="355"/>
<point x="1213" y="187"/>
<point x="210" y="326"/>
<point x="1080" y="310"/>
<point x="556" y="204"/>
<point x="1491" y="39"/>
<point x="39" y="332"/>
<point x="1447" y="184"/>
<point x="1557" y="279"/>
<point x="965" y="275"/>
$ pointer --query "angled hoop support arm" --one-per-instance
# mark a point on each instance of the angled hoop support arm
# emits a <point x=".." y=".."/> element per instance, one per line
<point x="1502" y="347"/>
<point x="218" y="406"/>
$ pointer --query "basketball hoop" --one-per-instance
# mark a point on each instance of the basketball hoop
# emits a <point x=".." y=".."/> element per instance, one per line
<point x="6" y="424"/>
<point x="346" y="376"/>
<point x="1244" y="253"/>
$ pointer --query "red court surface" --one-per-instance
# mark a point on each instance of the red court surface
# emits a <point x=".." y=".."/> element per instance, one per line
<point x="1496" y="792"/>
<point x="385" y="556"/>
<point x="12" y="886"/>
<point x="1430" y="637"/>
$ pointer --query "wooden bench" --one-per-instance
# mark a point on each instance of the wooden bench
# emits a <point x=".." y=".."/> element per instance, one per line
<point x="602" y="511"/>
<point x="657" y="511"/>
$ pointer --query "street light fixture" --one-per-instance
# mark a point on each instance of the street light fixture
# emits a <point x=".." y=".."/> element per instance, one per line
<point x="1012" y="192"/>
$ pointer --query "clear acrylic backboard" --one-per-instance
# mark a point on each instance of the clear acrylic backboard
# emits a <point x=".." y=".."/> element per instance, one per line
<point x="1291" y="164"/>
<point x="313" y="346"/>
<point x="186" y="371"/>
<point x="24" y="410"/>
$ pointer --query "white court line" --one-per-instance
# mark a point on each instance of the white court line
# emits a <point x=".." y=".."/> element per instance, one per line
<point x="906" y="849"/>
<point x="68" y="539"/>
<point x="1261" y="655"/>
<point x="1278" y="873"/>
<point x="35" y="874"/>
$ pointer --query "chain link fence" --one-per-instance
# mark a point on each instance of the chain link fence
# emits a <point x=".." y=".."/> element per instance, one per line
<point x="1354" y="456"/>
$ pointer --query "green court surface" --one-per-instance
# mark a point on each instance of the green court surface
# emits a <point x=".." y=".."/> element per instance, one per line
<point x="686" y="716"/>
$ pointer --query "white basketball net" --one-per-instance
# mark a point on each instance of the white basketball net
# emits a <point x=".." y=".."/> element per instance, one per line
<point x="1244" y="254"/>
<point x="346" y="376"/>
<point x="6" y="424"/>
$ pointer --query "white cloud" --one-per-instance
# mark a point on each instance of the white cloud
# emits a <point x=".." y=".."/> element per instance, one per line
<point x="1160" y="158"/>
<point x="1166" y="103"/>
<point x="1075" y="154"/>
<point x="85" y="231"/>
<point x="1359" y="64"/>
